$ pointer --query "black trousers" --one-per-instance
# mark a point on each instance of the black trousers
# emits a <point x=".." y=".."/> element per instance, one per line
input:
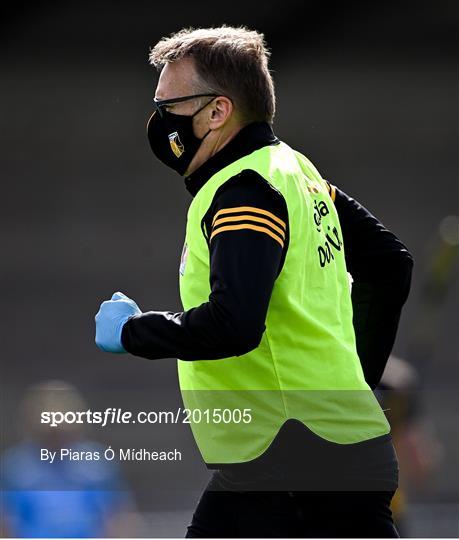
<point x="303" y="486"/>
<point x="293" y="514"/>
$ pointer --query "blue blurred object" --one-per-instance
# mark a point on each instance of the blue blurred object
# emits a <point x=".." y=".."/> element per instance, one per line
<point x="60" y="499"/>
<point x="110" y="320"/>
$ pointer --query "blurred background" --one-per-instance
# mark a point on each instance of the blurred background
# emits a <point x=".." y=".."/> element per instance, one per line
<point x="367" y="90"/>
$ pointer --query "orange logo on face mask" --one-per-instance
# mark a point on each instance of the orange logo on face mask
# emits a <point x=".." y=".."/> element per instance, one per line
<point x="176" y="144"/>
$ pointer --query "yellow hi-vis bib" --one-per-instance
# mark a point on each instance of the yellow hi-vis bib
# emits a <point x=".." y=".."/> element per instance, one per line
<point x="306" y="366"/>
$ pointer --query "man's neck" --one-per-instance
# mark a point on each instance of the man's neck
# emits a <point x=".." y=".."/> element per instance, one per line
<point x="209" y="148"/>
<point x="248" y="139"/>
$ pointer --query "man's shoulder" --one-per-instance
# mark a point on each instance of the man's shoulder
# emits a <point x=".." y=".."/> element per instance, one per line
<point x="248" y="189"/>
<point x="248" y="185"/>
<point x="247" y="194"/>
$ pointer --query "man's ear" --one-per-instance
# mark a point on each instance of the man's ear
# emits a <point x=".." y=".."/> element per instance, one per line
<point x="221" y="111"/>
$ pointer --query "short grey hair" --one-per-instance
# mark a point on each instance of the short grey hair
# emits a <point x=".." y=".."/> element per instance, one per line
<point x="230" y="61"/>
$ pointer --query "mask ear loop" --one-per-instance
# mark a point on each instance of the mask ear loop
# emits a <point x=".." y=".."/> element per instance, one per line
<point x="151" y="118"/>
<point x="199" y="110"/>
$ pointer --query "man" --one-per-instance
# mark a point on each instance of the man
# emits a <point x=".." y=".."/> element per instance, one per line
<point x="267" y="328"/>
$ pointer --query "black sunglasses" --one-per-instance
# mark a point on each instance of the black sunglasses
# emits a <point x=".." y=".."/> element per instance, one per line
<point x="159" y="103"/>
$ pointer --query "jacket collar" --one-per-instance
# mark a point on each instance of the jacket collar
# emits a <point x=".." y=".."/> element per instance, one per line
<point x="250" y="138"/>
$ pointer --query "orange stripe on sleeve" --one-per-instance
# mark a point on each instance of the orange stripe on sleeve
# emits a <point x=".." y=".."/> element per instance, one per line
<point x="250" y="227"/>
<point x="249" y="209"/>
<point x="331" y="190"/>
<point x="247" y="217"/>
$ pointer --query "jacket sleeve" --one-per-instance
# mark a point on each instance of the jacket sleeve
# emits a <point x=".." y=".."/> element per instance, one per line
<point x="246" y="256"/>
<point x="381" y="268"/>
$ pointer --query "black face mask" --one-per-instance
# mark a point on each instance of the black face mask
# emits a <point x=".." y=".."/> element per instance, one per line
<point x="171" y="135"/>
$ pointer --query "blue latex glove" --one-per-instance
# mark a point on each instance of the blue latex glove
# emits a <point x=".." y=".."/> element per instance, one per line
<point x="110" y="320"/>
